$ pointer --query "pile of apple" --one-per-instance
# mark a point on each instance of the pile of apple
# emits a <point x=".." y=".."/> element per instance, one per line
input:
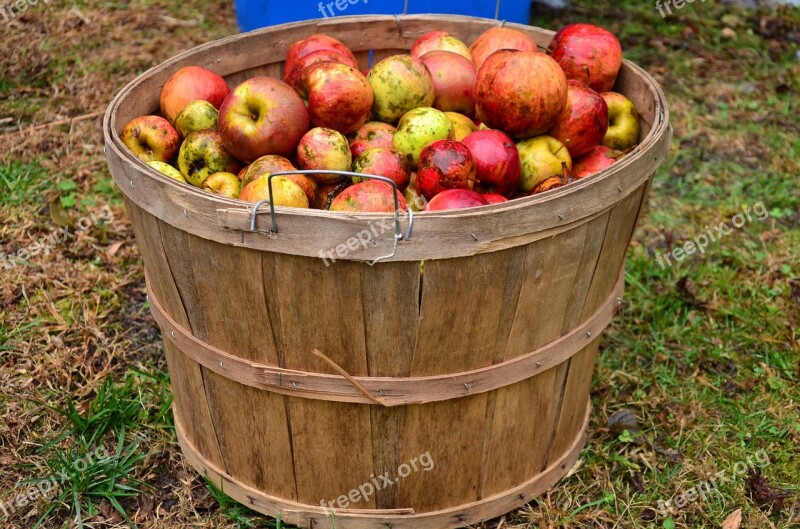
<point x="453" y="126"/>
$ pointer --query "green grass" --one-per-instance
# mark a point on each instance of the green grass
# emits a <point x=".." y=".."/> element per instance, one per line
<point x="19" y="181"/>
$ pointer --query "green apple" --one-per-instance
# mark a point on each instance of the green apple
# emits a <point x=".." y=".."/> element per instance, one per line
<point x="462" y="124"/>
<point x="224" y="184"/>
<point x="167" y="169"/>
<point x="418" y="128"/>
<point x="541" y="158"/>
<point x="197" y="115"/>
<point x="400" y="83"/>
<point x="202" y="154"/>
<point x="623" y="122"/>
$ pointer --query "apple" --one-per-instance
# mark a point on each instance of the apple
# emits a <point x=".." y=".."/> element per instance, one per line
<point x="224" y="184"/>
<point x="554" y="182"/>
<point x="151" y="138"/>
<point x="453" y="78"/>
<point x="456" y="199"/>
<point x="401" y="83"/>
<point x="197" y="115"/>
<point x="418" y="128"/>
<point x="385" y="162"/>
<point x="202" y="154"/>
<point x="167" y="169"/>
<point x="494" y="198"/>
<point x="368" y="197"/>
<point x="589" y="54"/>
<point x="262" y="116"/>
<point x="188" y="84"/>
<point x="292" y="77"/>
<point x="598" y="158"/>
<point x="462" y="125"/>
<point x="495" y="39"/>
<point x="307" y="46"/>
<point x="521" y="93"/>
<point x="497" y="162"/>
<point x="339" y="96"/>
<point x="284" y="192"/>
<point x="371" y="135"/>
<point x="322" y="148"/>
<point x="270" y="163"/>
<point x="439" y="40"/>
<point x="541" y="158"/>
<point x="445" y="164"/>
<point x="623" y="122"/>
<point x="584" y="120"/>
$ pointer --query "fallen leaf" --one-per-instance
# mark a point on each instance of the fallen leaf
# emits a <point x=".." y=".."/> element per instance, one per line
<point x="764" y="494"/>
<point x="113" y="249"/>
<point x="623" y="420"/>
<point x="733" y="521"/>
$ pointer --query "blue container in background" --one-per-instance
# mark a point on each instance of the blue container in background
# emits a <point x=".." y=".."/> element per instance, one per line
<point x="254" y="14"/>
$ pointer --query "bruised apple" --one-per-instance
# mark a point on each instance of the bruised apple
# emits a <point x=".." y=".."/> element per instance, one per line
<point x="418" y="128"/>
<point x="400" y="83"/>
<point x="292" y="77"/>
<point x="284" y="192"/>
<point x="453" y="78"/>
<point x="521" y="93"/>
<point x="202" y="154"/>
<point x="368" y="197"/>
<point x="314" y="43"/>
<point x="439" y="40"/>
<point x="188" y="84"/>
<point x="151" y="138"/>
<point x="383" y="162"/>
<point x="322" y="148"/>
<point x="268" y="164"/>
<point x="444" y="164"/>
<point x="497" y="160"/>
<point x="339" y="96"/>
<point x="371" y="135"/>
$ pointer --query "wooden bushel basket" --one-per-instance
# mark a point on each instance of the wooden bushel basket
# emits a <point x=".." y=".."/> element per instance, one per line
<point x="482" y="363"/>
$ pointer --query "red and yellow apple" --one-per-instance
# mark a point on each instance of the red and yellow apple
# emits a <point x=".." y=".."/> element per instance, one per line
<point x="339" y="96"/>
<point x="371" y="135"/>
<point x="322" y="148"/>
<point x="262" y="116"/>
<point x="223" y="184"/>
<point x="453" y="79"/>
<point x="495" y="39"/>
<point x="368" y="197"/>
<point x="521" y="93"/>
<point x="439" y="40"/>
<point x="284" y="192"/>
<point x="594" y="161"/>
<point x="462" y="125"/>
<point x="151" y="138"/>
<point x="188" y="84"/>
<point x="317" y="42"/>
<point x="292" y="77"/>
<point x="456" y="199"/>
<point x="268" y="164"/>
<point x="384" y="162"/>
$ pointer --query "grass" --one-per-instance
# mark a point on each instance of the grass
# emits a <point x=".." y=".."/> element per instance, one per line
<point x="704" y="354"/>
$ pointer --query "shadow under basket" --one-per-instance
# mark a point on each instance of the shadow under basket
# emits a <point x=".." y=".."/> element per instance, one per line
<point x="462" y="387"/>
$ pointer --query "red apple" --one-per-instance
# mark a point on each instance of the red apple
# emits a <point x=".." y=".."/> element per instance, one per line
<point x="368" y="197"/>
<point x="371" y="135"/>
<point x="401" y="83"/>
<point x="322" y="148"/>
<point x="495" y="39"/>
<point x="445" y="164"/>
<point x="496" y="160"/>
<point x="453" y="78"/>
<point x="262" y="116"/>
<point x="202" y="154"/>
<point x="188" y="84"/>
<point x="520" y="92"/>
<point x="271" y="163"/>
<point x="314" y="43"/>
<point x="151" y="138"/>
<point x="292" y="77"/>
<point x="339" y="96"/>
<point x="439" y="40"/>
<point x="383" y="162"/>
<point x="588" y="53"/>
<point x="456" y="199"/>
<point x="584" y="120"/>
<point x="598" y="158"/>
<point x="494" y="198"/>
